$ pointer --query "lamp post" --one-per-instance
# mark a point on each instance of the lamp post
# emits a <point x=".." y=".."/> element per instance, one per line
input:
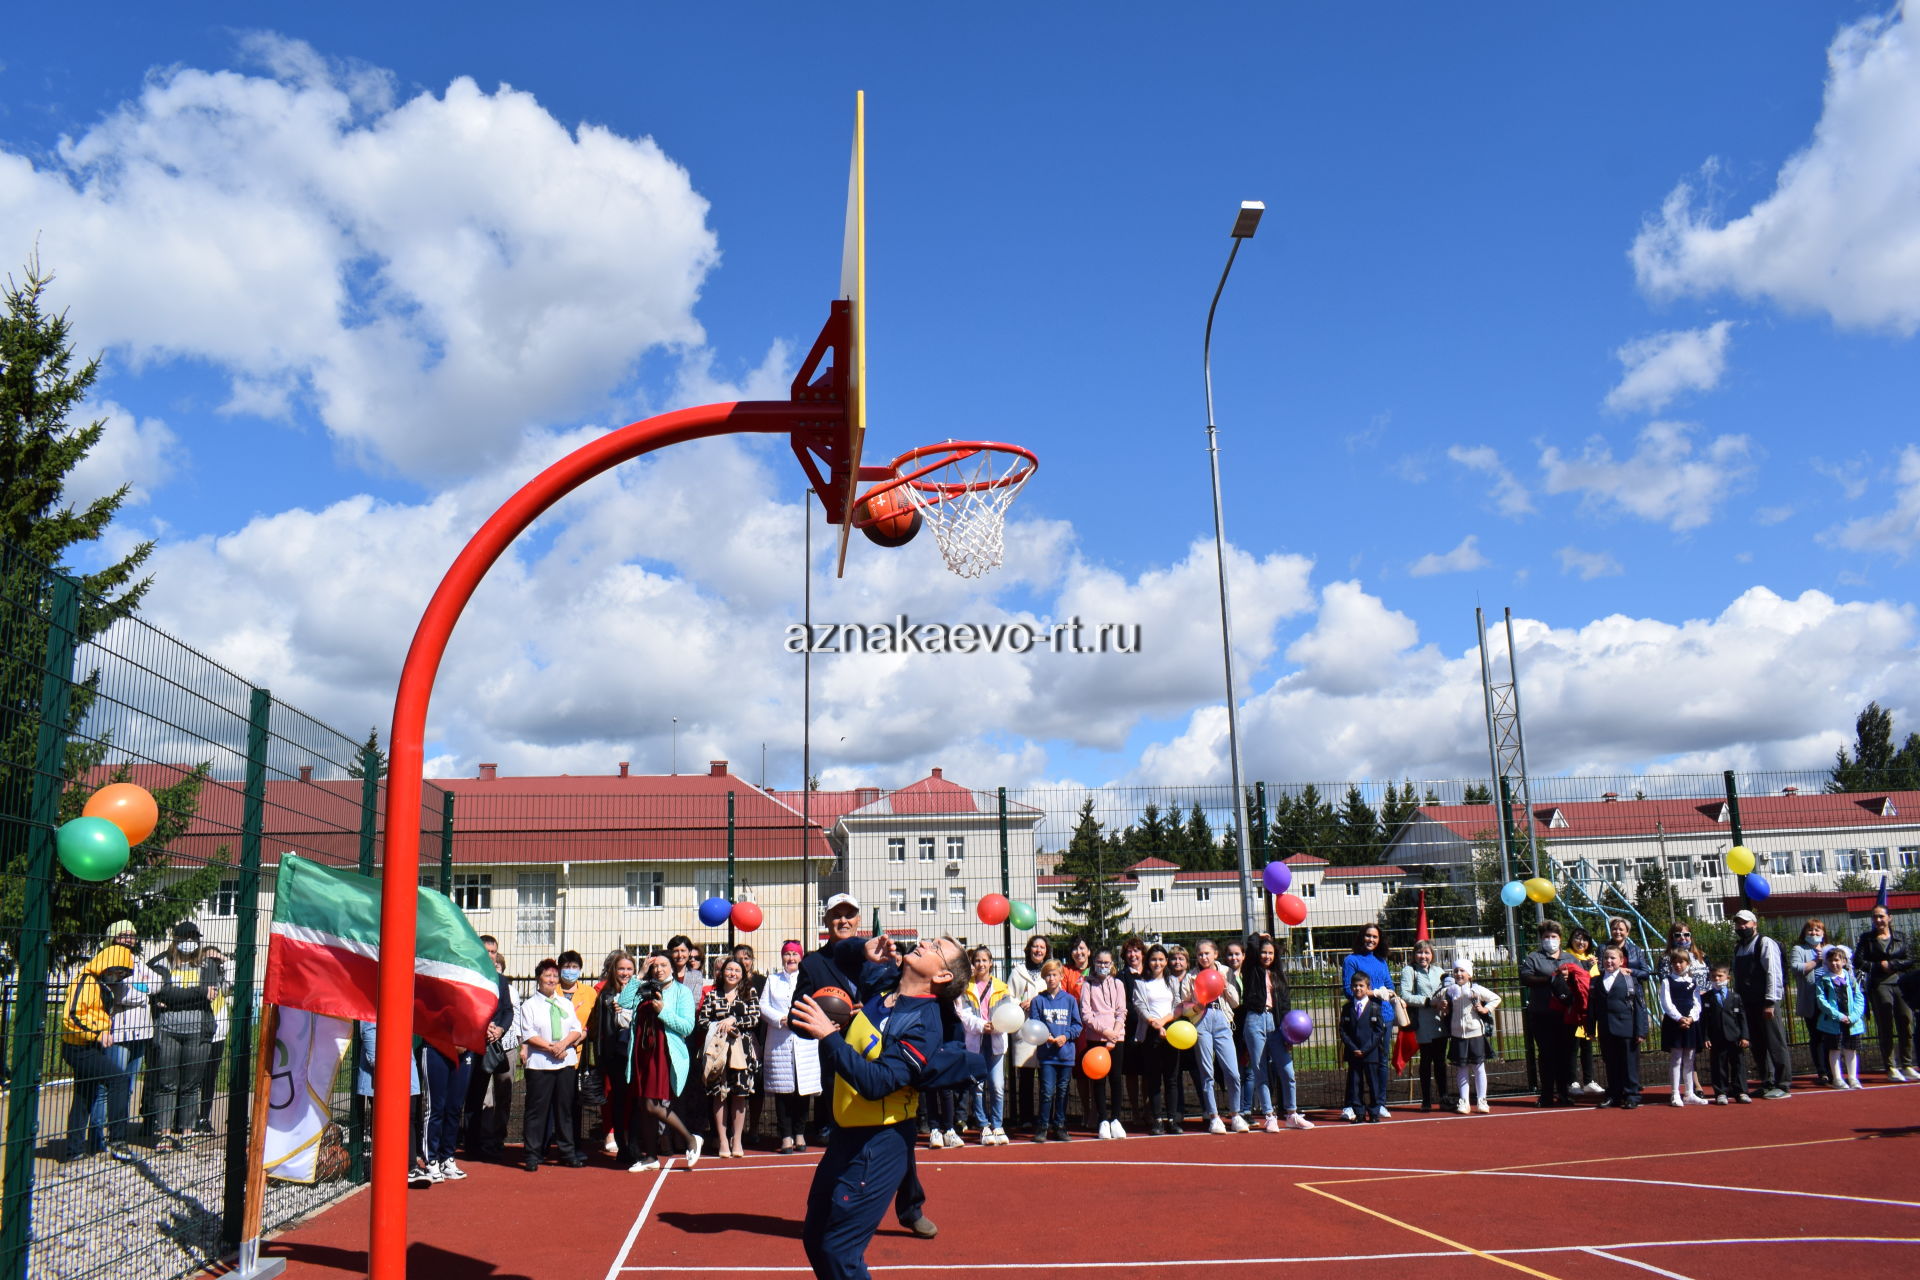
<point x="675" y="766"/>
<point x="1243" y="229"/>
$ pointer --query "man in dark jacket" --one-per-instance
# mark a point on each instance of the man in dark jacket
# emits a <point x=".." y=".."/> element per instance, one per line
<point x="1882" y="955"/>
<point x="1617" y="1018"/>
<point x="1547" y="1026"/>
<point x="1725" y="1016"/>
<point x="490" y="1083"/>
<point x="1760" y="976"/>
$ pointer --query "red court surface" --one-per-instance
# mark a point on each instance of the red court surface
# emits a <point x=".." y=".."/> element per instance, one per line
<point x="1826" y="1181"/>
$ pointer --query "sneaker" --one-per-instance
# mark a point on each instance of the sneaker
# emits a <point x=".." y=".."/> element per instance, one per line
<point x="693" y="1150"/>
<point x="610" y="1146"/>
<point x="1297" y="1121"/>
<point x="120" y="1151"/>
<point x="1272" y="1125"/>
<point x="1106" y="1129"/>
<point x="1855" y="1083"/>
<point x="1677" y="1100"/>
<point x="936" y="1139"/>
<point x="1346" y="1113"/>
<point x="204" y="1127"/>
<point x="1465" y="1107"/>
<point x="1239" y="1125"/>
<point x="1060" y="1135"/>
<point x="1695" y="1100"/>
<point x="1742" y="1097"/>
<point x="644" y="1166"/>
<point x="1216" y="1125"/>
<point x="451" y="1172"/>
<point x="1908" y="1075"/>
<point x="418" y="1176"/>
<point x="922" y="1227"/>
<point x="1382" y="1113"/>
<point x="1721" y="1100"/>
<point x="1119" y="1130"/>
<point x="1775" y="1094"/>
<point x="1482" y="1107"/>
<point x="954" y="1139"/>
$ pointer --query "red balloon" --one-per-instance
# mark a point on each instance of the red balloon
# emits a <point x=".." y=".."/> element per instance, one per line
<point x="747" y="916"/>
<point x="1207" y="985"/>
<point x="1291" y="908"/>
<point x="1097" y="1063"/>
<point x="994" y="909"/>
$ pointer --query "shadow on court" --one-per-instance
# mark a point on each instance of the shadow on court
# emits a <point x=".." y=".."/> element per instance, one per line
<point x="422" y="1260"/>
<point x="754" y="1224"/>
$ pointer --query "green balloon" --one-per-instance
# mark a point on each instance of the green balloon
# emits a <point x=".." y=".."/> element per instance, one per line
<point x="1021" y="915"/>
<point x="92" y="848"/>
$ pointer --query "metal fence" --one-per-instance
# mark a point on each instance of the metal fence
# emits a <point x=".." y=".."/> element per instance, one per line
<point x="95" y="1183"/>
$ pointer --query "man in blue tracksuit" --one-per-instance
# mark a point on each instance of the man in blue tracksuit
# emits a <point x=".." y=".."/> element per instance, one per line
<point x="870" y="1150"/>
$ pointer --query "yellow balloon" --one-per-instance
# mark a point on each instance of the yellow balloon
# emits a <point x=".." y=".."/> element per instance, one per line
<point x="1540" y="889"/>
<point x="1181" y="1035"/>
<point x="1740" y="860"/>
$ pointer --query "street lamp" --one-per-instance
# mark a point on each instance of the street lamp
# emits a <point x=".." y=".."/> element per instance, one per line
<point x="1244" y="226"/>
<point x="676" y="745"/>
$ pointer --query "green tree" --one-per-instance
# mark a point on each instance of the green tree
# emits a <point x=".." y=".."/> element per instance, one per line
<point x="40" y="388"/>
<point x="1450" y="912"/>
<point x="1396" y="811"/>
<point x="1198" y="850"/>
<point x="1909" y="880"/>
<point x="1875" y="764"/>
<point x="1654" y="899"/>
<point x="1854" y="882"/>
<point x="372" y="744"/>
<point x="1358" y="832"/>
<point x="1476" y="793"/>
<point x="1093" y="905"/>
<point x="1305" y="824"/>
<point x="1487" y="882"/>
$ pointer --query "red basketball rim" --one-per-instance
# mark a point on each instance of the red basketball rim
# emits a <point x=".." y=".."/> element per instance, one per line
<point x="932" y="457"/>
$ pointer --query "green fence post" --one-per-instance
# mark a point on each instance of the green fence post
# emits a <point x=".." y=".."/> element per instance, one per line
<point x="253" y="815"/>
<point x="446" y="843"/>
<point x="1006" y="889"/>
<point x="1265" y="846"/>
<point x="730" y="888"/>
<point x="30" y="1010"/>
<point x="357" y="1105"/>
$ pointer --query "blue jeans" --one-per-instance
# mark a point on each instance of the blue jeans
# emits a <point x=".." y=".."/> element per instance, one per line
<point x="93" y="1069"/>
<point x="1215" y="1055"/>
<point x="112" y="1105"/>
<point x="1256" y="1029"/>
<point x="1053" y="1095"/>
<point x="984" y="1100"/>
<point x="1280" y="1071"/>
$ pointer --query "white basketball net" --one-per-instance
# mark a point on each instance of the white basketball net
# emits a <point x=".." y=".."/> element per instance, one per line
<point x="964" y="500"/>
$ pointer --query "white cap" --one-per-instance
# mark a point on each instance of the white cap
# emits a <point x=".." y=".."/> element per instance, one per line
<point x="839" y="900"/>
<point x="1748" y="916"/>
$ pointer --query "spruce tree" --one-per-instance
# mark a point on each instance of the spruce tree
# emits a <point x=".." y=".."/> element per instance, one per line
<point x="1093" y="906"/>
<point x="1476" y="793"/>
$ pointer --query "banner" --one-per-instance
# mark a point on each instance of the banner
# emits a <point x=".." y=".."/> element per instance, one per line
<point x="307" y="1049"/>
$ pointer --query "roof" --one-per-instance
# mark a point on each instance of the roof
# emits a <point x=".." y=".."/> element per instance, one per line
<point x="936" y="795"/>
<point x="1154" y="864"/>
<point x="1698" y="815"/>
<point x="1205" y="877"/>
<point x="1305" y="860"/>
<point x="1364" y="873"/>
<point x="826" y="807"/>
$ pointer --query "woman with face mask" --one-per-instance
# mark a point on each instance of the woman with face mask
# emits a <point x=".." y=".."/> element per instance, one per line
<point x="1103" y="1025"/>
<point x="182" y="1004"/>
<point x="1806" y="961"/>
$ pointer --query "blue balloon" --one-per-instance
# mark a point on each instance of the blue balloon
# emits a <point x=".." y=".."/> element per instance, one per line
<point x="1278" y="877"/>
<point x="1513" y="893"/>
<point x="714" y="912"/>
<point x="1757" y="886"/>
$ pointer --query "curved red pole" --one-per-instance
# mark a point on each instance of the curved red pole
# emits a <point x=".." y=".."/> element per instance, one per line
<point x="387" y="1253"/>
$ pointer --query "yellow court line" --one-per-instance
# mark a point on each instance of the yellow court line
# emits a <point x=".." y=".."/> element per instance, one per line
<point x="1422" y="1231"/>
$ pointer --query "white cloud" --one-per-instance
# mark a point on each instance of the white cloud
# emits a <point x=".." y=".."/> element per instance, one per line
<point x="1840" y="232"/>
<point x="1661" y="366"/>
<point x="1895" y="531"/>
<point x="1665" y="480"/>
<point x="1850" y="475"/>
<point x="140" y="452"/>
<point x="1510" y="497"/>
<point x="1589" y="564"/>
<point x="1773" y="515"/>
<point x="1461" y="559"/>
<point x="432" y="276"/>
<point x="1770" y="683"/>
<point x="1355" y="641"/>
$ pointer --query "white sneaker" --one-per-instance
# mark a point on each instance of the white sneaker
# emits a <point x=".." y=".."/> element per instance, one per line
<point x="1297" y="1121"/>
<point x="1383" y="1113"/>
<point x="1240" y="1125"/>
<point x="1855" y="1083"/>
<point x="1346" y="1113"/>
<point x="1908" y="1074"/>
<point x="610" y="1146"/>
<point x="1482" y="1107"/>
<point x="451" y="1172"/>
<point x="1119" y="1130"/>
<point x="644" y="1166"/>
<point x="936" y="1139"/>
<point x="1595" y="1087"/>
<point x="954" y="1139"/>
<point x="1677" y="1100"/>
<point x="1695" y="1100"/>
<point x="694" y="1144"/>
<point x="1216" y="1125"/>
<point x="1465" y="1107"/>
<point x="420" y="1176"/>
<point x="1106" y="1129"/>
<point x="1272" y="1125"/>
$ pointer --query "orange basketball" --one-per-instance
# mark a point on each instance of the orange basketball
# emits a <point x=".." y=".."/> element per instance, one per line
<point x="888" y="518"/>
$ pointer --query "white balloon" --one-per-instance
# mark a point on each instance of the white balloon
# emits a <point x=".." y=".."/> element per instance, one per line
<point x="1007" y="1017"/>
<point x="1035" y="1032"/>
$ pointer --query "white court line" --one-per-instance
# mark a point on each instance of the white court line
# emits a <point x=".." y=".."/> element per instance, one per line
<point x="1268" y="1262"/>
<point x="1693" y="1186"/>
<point x="1630" y="1262"/>
<point x="633" y="1233"/>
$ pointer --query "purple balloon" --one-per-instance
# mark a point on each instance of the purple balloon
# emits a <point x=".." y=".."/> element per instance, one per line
<point x="1297" y="1026"/>
<point x="1278" y="877"/>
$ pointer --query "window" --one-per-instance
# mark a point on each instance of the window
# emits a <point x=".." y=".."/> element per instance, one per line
<point x="957" y="899"/>
<point x="1612" y="870"/>
<point x="1715" y="909"/>
<point x="473" y="890"/>
<point x="929" y="900"/>
<point x="896" y="848"/>
<point x="225" y="899"/>
<point x="1353" y="888"/>
<point x="1679" y="868"/>
<point x="646" y="889"/>
<point x="1156" y="896"/>
<point x="715" y="952"/>
<point x="1876" y="859"/>
<point x="956" y="848"/>
<point x="1391" y="886"/>
<point x="896" y="899"/>
<point x="926" y="848"/>
<point x="534" y="912"/>
<point x="709" y="884"/>
<point x="1204" y="893"/>
<point x="1908" y="856"/>
<point x="1813" y="861"/>
<point x="1642" y="867"/>
<point x="1309" y="889"/>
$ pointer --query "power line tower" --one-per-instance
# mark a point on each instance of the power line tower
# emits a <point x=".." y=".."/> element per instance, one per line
<point x="1507" y="755"/>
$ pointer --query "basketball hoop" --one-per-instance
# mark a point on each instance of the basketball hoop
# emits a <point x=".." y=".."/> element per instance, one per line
<point x="962" y="490"/>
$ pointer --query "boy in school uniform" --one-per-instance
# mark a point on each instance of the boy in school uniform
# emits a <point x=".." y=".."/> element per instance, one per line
<point x="1617" y="1016"/>
<point x="1726" y="1020"/>
<point x="1366" y="1033"/>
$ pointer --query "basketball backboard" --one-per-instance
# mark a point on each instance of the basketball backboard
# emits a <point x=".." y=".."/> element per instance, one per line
<point x="853" y="290"/>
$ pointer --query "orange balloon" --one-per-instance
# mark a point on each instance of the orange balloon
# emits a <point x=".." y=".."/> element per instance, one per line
<point x="1097" y="1063"/>
<point x="127" y="807"/>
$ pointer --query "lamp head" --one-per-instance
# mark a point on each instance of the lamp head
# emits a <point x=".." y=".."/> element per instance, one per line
<point x="1249" y="220"/>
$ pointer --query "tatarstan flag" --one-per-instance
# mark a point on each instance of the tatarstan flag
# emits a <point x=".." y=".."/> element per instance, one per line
<point x="325" y="955"/>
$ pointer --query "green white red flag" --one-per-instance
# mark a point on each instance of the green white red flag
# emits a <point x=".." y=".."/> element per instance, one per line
<point x="325" y="956"/>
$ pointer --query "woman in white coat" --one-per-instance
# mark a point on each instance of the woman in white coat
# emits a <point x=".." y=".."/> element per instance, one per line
<point x="791" y="1067"/>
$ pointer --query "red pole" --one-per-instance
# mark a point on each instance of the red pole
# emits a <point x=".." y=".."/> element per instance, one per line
<point x="387" y="1253"/>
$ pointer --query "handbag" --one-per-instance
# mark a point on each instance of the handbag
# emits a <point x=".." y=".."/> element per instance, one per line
<point x="737" y="1053"/>
<point x="495" y="1059"/>
<point x="713" y="1067"/>
<point x="1400" y="1017"/>
<point x="591" y="1085"/>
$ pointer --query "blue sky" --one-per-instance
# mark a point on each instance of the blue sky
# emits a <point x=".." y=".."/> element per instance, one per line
<point x="1608" y="317"/>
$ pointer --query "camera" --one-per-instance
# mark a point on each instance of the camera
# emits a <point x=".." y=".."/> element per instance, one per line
<point x="652" y="989"/>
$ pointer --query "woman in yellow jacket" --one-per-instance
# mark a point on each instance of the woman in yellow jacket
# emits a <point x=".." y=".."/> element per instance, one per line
<point x="86" y="1035"/>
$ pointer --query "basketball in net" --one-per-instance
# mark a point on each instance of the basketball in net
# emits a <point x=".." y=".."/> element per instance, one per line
<point x="961" y="490"/>
<point x="888" y="517"/>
